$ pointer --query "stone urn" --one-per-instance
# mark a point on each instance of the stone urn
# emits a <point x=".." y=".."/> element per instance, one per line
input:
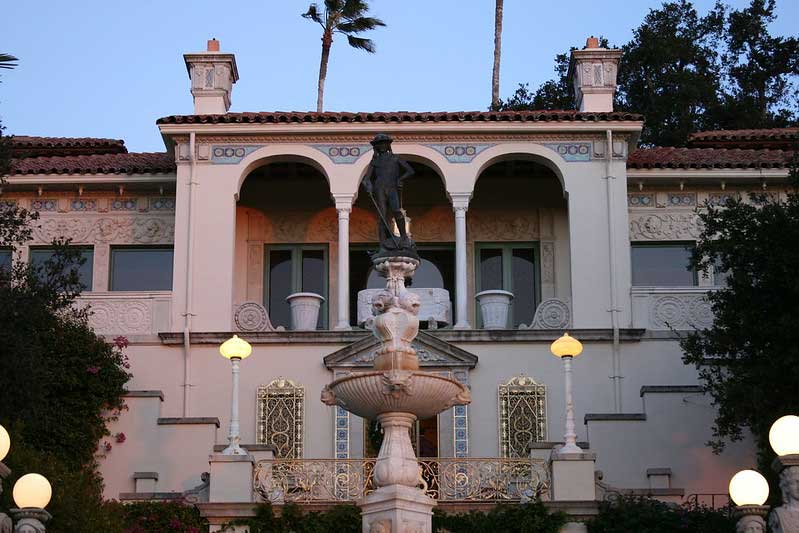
<point x="305" y="310"/>
<point x="494" y="307"/>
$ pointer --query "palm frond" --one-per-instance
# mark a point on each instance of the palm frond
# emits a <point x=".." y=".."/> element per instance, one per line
<point x="7" y="61"/>
<point x="360" y="24"/>
<point x="362" y="44"/>
<point x="354" y="8"/>
<point x="334" y="6"/>
<point x="313" y="14"/>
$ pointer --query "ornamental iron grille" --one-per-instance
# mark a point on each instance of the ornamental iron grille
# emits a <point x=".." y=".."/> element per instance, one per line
<point x="522" y="415"/>
<point x="281" y="410"/>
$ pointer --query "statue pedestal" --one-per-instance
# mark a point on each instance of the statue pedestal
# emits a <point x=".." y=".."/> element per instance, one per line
<point x="397" y="509"/>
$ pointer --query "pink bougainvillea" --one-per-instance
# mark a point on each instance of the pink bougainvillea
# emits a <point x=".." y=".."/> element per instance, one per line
<point x="120" y="437"/>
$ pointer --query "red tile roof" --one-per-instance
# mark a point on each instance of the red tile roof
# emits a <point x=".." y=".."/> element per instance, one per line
<point x="294" y="117"/>
<point x="708" y="158"/>
<point x="31" y="146"/>
<point x="125" y="163"/>
<point x="774" y="138"/>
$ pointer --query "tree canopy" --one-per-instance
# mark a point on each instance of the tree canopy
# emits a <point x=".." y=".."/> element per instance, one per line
<point x="687" y="73"/>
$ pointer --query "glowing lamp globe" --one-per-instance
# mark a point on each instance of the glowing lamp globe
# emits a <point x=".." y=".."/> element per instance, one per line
<point x="5" y="443"/>
<point x="783" y="436"/>
<point x="566" y="346"/>
<point x="235" y="348"/>
<point x="748" y="487"/>
<point x="32" y="490"/>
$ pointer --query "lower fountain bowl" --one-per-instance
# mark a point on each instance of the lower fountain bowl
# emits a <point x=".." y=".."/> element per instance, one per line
<point x="368" y="394"/>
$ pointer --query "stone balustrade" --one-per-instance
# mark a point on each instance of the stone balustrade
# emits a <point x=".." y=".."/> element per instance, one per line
<point x="666" y="308"/>
<point x="129" y="313"/>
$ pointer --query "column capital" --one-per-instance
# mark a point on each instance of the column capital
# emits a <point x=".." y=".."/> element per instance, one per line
<point x="460" y="200"/>
<point x="343" y="201"/>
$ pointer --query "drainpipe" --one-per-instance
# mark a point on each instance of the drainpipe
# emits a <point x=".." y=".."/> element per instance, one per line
<point x="614" y="307"/>
<point x="187" y="315"/>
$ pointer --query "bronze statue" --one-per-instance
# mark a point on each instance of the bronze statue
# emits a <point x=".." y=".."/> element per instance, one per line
<point x="383" y="183"/>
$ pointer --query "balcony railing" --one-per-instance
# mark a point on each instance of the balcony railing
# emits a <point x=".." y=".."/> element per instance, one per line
<point x="128" y="313"/>
<point x="666" y="308"/>
<point x="443" y="479"/>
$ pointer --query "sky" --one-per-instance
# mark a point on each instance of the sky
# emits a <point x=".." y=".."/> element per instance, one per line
<point x="94" y="68"/>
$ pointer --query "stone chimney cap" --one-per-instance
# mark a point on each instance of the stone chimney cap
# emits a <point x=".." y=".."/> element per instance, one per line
<point x="591" y="42"/>
<point x="213" y="45"/>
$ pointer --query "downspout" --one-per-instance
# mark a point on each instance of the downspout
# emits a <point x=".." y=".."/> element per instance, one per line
<point x="614" y="307"/>
<point x="187" y="315"/>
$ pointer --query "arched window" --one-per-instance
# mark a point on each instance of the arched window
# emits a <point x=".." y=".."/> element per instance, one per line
<point x="281" y="413"/>
<point x="522" y="415"/>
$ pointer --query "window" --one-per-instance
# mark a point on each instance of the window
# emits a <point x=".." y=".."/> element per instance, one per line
<point x="522" y="415"/>
<point x="513" y="268"/>
<point x="662" y="264"/>
<point x="291" y="269"/>
<point x="137" y="268"/>
<point x="39" y="256"/>
<point x="5" y="258"/>
<point x="281" y="409"/>
<point x="436" y="271"/>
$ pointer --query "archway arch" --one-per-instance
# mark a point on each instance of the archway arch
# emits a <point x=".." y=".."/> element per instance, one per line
<point x="280" y="153"/>
<point x="527" y="152"/>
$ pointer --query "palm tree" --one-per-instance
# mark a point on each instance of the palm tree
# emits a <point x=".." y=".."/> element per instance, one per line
<point x="7" y="61"/>
<point x="348" y="18"/>
<point x="497" y="52"/>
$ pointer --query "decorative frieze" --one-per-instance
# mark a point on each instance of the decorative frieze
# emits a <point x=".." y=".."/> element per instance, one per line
<point x="459" y="153"/>
<point x="124" y="204"/>
<point x="231" y="154"/>
<point x="343" y="154"/>
<point x="162" y="204"/>
<point x="664" y="309"/>
<point x="668" y="226"/>
<point x="145" y="315"/>
<point x="641" y="200"/>
<point x="81" y="204"/>
<point x="44" y="204"/>
<point x="682" y="199"/>
<point x="573" y="151"/>
<point x="121" y="229"/>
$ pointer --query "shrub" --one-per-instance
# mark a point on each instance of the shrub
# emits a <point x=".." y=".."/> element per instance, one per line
<point x="653" y="516"/>
<point x="530" y="517"/>
<point x="158" y="517"/>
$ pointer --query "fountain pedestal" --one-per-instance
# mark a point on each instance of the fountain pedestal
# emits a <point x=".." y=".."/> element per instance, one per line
<point x="396" y="394"/>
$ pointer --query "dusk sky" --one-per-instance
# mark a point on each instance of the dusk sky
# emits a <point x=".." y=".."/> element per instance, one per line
<point x="110" y="69"/>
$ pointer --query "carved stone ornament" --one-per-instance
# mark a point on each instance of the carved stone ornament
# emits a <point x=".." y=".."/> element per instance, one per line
<point x="252" y="316"/>
<point x="6" y="526"/>
<point x="551" y="313"/>
<point x="435" y="305"/>
<point x="664" y="226"/>
<point x="121" y="316"/>
<point x="785" y="518"/>
<point x="130" y="229"/>
<point x="681" y="312"/>
<point x="380" y="526"/>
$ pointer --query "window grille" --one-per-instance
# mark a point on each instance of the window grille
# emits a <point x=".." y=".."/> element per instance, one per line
<point x="281" y="413"/>
<point x="522" y="415"/>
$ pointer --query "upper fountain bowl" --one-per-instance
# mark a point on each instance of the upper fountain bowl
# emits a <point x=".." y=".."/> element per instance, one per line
<point x="368" y="394"/>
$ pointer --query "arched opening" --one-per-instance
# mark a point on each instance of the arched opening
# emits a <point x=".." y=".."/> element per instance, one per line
<point x="424" y="199"/>
<point x="286" y="235"/>
<point x="518" y="230"/>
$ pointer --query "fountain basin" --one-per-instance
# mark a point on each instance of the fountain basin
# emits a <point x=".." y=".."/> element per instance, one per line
<point x="369" y="394"/>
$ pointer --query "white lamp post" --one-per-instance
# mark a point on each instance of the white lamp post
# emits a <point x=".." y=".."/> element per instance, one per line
<point x="567" y="348"/>
<point x="784" y="439"/>
<point x="32" y="493"/>
<point x="749" y="491"/>
<point x="235" y="349"/>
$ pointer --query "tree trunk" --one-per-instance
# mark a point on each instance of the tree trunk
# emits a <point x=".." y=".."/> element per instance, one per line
<point x="497" y="53"/>
<point x="327" y="41"/>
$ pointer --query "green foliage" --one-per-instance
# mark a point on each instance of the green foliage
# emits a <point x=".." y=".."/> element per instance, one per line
<point x="687" y="73"/>
<point x="156" y="517"/>
<point x="747" y="359"/>
<point x="527" y="518"/>
<point x="642" y="514"/>
<point x="341" y="519"/>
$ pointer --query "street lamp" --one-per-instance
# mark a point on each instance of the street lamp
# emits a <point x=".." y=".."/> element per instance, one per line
<point x="5" y="443"/>
<point x="783" y="436"/>
<point x="235" y="349"/>
<point x="31" y="493"/>
<point x="749" y="491"/>
<point x="567" y="348"/>
<point x="784" y="439"/>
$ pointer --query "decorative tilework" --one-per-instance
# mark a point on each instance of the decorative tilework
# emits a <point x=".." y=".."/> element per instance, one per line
<point x="763" y="198"/>
<point x="641" y="200"/>
<point x="231" y="155"/>
<point x="572" y="152"/>
<point x="6" y="204"/>
<point x="124" y="204"/>
<point x="80" y="204"/>
<point x="459" y="153"/>
<point x="682" y="199"/>
<point x="162" y="204"/>
<point x="45" y="204"/>
<point x="341" y="438"/>
<point x="460" y="420"/>
<point x="343" y="154"/>
<point x="721" y="198"/>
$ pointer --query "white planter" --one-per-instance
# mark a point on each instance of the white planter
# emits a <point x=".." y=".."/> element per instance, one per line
<point x="494" y="305"/>
<point x="304" y="310"/>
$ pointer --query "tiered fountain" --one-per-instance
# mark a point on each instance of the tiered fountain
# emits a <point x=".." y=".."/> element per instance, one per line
<point x="396" y="394"/>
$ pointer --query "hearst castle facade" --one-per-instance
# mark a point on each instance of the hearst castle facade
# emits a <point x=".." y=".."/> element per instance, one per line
<point x="528" y="224"/>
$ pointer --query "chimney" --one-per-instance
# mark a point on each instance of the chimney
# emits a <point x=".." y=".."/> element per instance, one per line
<point x="212" y="75"/>
<point x="593" y="71"/>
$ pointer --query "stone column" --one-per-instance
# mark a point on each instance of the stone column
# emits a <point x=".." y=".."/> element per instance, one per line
<point x="460" y="204"/>
<point x="344" y="207"/>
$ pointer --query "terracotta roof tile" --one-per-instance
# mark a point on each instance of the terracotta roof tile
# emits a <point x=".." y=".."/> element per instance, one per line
<point x="32" y="146"/>
<point x="294" y="117"/>
<point x="774" y="138"/>
<point x="126" y="163"/>
<point x="708" y="158"/>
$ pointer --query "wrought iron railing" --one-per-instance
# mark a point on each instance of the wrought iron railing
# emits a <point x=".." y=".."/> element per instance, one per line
<point x="443" y="479"/>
